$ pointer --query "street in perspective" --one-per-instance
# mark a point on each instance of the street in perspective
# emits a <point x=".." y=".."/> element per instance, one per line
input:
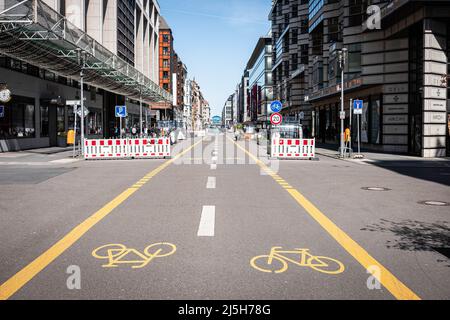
<point x="224" y="150"/>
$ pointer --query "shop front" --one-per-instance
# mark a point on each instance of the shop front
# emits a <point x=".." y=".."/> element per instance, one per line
<point x="327" y="122"/>
<point x="17" y="123"/>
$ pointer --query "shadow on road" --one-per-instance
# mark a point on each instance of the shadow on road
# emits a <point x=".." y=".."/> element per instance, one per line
<point x="434" y="171"/>
<point x="413" y="235"/>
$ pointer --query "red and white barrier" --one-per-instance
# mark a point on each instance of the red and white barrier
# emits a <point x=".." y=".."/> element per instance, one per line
<point x="106" y="149"/>
<point x="293" y="148"/>
<point x="127" y="148"/>
<point x="149" y="148"/>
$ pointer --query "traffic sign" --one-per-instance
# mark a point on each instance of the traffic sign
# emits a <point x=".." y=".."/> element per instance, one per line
<point x="302" y="115"/>
<point x="121" y="111"/>
<point x="2" y="111"/>
<point x="78" y="110"/>
<point x="276" y="119"/>
<point x="73" y="102"/>
<point x="276" y="106"/>
<point x="358" y="106"/>
<point x="342" y="115"/>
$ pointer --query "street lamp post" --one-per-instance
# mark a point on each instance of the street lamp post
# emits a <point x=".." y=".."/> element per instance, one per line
<point x="342" y="62"/>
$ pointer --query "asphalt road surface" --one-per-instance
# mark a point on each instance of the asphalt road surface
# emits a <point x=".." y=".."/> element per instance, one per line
<point x="218" y="222"/>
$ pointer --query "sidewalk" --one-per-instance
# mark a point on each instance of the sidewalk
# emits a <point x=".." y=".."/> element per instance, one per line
<point x="38" y="157"/>
<point x="383" y="159"/>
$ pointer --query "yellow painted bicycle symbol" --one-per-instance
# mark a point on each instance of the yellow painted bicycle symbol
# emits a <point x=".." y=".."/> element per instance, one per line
<point x="118" y="254"/>
<point x="277" y="261"/>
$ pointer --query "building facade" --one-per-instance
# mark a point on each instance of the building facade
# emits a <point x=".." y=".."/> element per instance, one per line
<point x="200" y="108"/>
<point x="291" y="44"/>
<point x="243" y="100"/>
<point x="397" y="63"/>
<point x="260" y="82"/>
<point x="227" y="112"/>
<point x="187" y="105"/>
<point x="109" y="36"/>
<point x="167" y="60"/>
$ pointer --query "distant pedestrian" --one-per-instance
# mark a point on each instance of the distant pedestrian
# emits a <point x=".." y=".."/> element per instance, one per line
<point x="305" y="132"/>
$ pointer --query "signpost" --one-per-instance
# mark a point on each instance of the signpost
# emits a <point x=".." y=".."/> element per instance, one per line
<point x="276" y="119"/>
<point x="121" y="112"/>
<point x="76" y="111"/>
<point x="358" y="106"/>
<point x="358" y="110"/>
<point x="276" y="106"/>
<point x="301" y="115"/>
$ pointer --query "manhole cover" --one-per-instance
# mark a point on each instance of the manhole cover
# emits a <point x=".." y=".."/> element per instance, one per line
<point x="435" y="203"/>
<point x="376" y="189"/>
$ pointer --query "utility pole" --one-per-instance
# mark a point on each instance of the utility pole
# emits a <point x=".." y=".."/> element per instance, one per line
<point x="342" y="63"/>
<point x="140" y="112"/>
<point x="81" y="62"/>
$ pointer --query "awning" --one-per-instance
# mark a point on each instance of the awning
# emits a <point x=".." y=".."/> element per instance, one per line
<point x="33" y="32"/>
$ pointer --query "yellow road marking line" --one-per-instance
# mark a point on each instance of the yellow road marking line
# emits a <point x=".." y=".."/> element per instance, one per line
<point x="21" y="278"/>
<point x="399" y="290"/>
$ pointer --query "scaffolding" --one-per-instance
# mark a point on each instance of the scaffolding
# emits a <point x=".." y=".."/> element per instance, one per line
<point x="33" y="32"/>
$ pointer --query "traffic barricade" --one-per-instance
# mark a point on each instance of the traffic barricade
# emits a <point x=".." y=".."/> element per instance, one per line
<point x="106" y="149"/>
<point x="163" y="147"/>
<point x="293" y="148"/>
<point x="149" y="148"/>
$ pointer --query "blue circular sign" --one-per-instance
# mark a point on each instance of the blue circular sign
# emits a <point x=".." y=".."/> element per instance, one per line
<point x="276" y="106"/>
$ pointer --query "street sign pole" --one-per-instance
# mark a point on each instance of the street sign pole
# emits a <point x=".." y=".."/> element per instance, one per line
<point x="359" y="136"/>
<point x="140" y="112"/>
<point x="82" y="101"/>
<point x="75" y="129"/>
<point x="120" y="127"/>
<point x="350" y="125"/>
<point x="342" y="60"/>
<point x="358" y="106"/>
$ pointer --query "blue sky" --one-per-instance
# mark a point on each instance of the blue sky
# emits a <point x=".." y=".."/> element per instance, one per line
<point x="215" y="39"/>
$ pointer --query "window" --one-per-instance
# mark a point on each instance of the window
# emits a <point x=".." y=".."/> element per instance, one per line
<point x="165" y="51"/>
<point x="166" y="38"/>
<point x="286" y="68"/>
<point x="44" y="121"/>
<point x="294" y="61"/>
<point x="365" y="122"/>
<point x="18" y="119"/>
<point x="333" y="29"/>
<point x="165" y="63"/>
<point x="60" y="120"/>
<point x="357" y="9"/>
<point x="375" y="115"/>
<point x="94" y="123"/>
<point x="294" y="36"/>
<point x="304" y="48"/>
<point x="354" y="58"/>
<point x="294" y="11"/>
<point x="166" y="86"/>
<point x="304" y="26"/>
<point x="165" y="74"/>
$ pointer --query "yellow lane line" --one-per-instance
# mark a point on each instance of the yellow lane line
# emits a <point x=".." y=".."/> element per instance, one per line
<point x="399" y="290"/>
<point x="21" y="278"/>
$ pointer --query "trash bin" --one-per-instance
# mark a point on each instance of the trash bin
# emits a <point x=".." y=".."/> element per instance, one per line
<point x="71" y="137"/>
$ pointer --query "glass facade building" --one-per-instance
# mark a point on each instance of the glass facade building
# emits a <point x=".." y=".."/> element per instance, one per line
<point x="260" y="93"/>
